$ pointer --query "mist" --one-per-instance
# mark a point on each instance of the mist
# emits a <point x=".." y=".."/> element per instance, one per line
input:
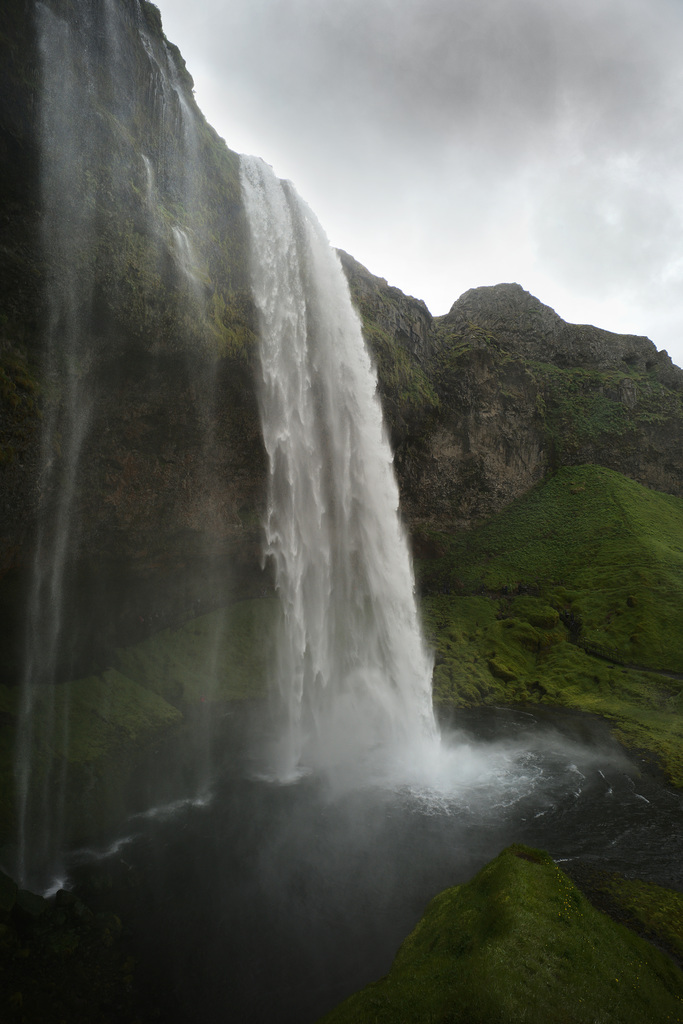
<point x="278" y="900"/>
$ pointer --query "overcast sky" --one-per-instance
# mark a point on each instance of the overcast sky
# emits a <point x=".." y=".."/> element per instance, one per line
<point x="453" y="143"/>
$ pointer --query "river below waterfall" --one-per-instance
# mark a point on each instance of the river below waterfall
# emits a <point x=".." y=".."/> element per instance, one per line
<point x="270" y="903"/>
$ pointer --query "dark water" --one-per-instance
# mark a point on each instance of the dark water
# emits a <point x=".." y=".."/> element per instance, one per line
<point x="271" y="903"/>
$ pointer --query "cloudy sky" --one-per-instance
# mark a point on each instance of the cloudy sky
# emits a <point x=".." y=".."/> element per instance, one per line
<point x="453" y="143"/>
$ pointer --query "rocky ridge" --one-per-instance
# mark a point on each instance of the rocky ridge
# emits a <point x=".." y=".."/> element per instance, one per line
<point x="512" y="393"/>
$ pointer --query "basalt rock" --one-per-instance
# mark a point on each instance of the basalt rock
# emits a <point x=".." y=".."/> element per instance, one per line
<point x="517" y="321"/>
<point x="512" y="393"/>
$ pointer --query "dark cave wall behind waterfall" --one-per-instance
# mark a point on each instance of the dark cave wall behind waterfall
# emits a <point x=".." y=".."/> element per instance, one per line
<point x="170" y="475"/>
<point x="481" y="404"/>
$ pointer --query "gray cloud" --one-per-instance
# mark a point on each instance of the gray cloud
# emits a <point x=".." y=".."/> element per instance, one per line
<point x="540" y="141"/>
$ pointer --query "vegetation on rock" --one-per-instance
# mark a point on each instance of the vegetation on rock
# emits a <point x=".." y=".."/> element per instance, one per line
<point x="519" y="943"/>
<point x="571" y="596"/>
<point x="646" y="908"/>
<point x="153" y="688"/>
<point x="59" y="961"/>
<point x="484" y="402"/>
<point x="216" y="657"/>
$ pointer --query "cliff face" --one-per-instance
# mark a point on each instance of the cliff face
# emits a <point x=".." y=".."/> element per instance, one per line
<point x="511" y="393"/>
<point x="126" y="335"/>
<point x="399" y="331"/>
<point x="519" y="322"/>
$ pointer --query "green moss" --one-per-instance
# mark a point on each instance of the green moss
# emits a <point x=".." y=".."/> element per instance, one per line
<point x="19" y="401"/>
<point x="658" y="912"/>
<point x="109" y="712"/>
<point x="519" y="943"/>
<point x="93" y="730"/>
<point x="405" y="387"/>
<point x="220" y="656"/>
<point x="607" y="555"/>
<point x="580" y="412"/>
<point x="584" y="406"/>
<point x="88" y="732"/>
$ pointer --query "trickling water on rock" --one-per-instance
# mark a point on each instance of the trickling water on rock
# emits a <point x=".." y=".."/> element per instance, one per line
<point x="67" y="228"/>
<point x="121" y="231"/>
<point x="350" y="661"/>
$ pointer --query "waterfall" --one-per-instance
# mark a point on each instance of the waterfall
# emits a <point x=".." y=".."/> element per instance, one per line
<point x="352" y="671"/>
<point x="96" y="61"/>
<point x="66" y="225"/>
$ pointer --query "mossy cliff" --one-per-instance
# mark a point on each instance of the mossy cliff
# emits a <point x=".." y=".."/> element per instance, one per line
<point x="489" y="399"/>
<point x="124" y="200"/>
<point x="399" y="332"/>
<point x="541" y="473"/>
<point x="519" y="942"/>
<point x="481" y="404"/>
<point x="175" y="684"/>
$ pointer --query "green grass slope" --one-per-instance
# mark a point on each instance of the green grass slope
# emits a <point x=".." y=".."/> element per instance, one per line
<point x="519" y="942"/>
<point x="94" y="731"/>
<point x="217" y="657"/>
<point x="646" y="908"/>
<point x="588" y="555"/>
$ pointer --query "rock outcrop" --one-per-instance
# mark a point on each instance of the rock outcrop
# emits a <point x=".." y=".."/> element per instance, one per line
<point x="535" y="332"/>
<point x="500" y="392"/>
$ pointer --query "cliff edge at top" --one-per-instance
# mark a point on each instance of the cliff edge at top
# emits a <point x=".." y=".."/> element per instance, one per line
<point x="536" y="333"/>
<point x="487" y="400"/>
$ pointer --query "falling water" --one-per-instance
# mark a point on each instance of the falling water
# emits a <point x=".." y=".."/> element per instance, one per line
<point x="352" y="670"/>
<point x="43" y="720"/>
<point x="85" y="69"/>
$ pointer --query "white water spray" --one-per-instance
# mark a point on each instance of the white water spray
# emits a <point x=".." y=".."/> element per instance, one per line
<point x="351" y="664"/>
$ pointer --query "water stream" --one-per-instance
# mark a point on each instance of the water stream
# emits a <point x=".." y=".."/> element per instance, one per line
<point x="352" y="670"/>
<point x="90" y="173"/>
<point x="67" y="228"/>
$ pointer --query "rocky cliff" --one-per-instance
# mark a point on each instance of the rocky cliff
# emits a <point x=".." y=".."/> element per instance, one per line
<point x="500" y="391"/>
<point x="126" y="335"/>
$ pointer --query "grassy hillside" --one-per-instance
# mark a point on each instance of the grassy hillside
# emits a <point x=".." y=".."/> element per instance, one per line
<point x="151" y="688"/>
<point x="519" y="943"/>
<point x="572" y="595"/>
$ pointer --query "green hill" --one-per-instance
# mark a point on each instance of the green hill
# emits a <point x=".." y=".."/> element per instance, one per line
<point x="519" y="943"/>
<point x="572" y="596"/>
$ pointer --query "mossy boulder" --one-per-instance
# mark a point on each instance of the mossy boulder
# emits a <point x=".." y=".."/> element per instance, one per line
<point x="519" y="943"/>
